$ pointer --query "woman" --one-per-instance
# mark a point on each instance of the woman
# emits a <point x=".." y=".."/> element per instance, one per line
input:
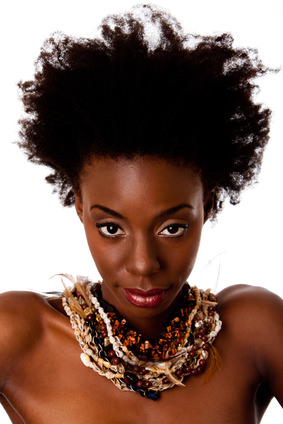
<point x="146" y="137"/>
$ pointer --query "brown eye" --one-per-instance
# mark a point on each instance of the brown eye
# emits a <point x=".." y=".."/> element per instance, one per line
<point x="174" y="230"/>
<point x="112" y="229"/>
<point x="109" y="229"/>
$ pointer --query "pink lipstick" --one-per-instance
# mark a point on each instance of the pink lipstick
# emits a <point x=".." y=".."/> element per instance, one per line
<point x="142" y="299"/>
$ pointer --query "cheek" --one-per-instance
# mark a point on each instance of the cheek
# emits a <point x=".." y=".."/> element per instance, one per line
<point x="182" y="262"/>
<point x="106" y="254"/>
<point x="183" y="256"/>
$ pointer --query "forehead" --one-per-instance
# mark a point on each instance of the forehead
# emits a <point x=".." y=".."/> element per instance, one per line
<point x="141" y="180"/>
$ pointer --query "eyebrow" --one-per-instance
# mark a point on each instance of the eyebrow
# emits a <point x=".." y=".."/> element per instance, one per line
<point x="108" y="210"/>
<point x="162" y="214"/>
<point x="175" y="209"/>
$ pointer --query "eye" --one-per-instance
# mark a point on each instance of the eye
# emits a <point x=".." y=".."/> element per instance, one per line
<point x="109" y="229"/>
<point x="174" y="230"/>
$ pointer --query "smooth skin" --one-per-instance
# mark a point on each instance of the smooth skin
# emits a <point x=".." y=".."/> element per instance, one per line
<point x="143" y="220"/>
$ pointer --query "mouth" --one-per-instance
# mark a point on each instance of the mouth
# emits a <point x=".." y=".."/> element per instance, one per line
<point x="142" y="299"/>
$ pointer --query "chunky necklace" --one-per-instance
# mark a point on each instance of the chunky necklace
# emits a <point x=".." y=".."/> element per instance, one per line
<point x="118" y="352"/>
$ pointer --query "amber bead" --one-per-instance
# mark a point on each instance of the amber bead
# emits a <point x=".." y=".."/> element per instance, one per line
<point x="202" y="362"/>
<point x="187" y="369"/>
<point x="115" y="361"/>
<point x="111" y="354"/>
<point x="178" y="373"/>
<point x="211" y="308"/>
<point x="205" y="346"/>
<point x="147" y="384"/>
<point x="139" y="384"/>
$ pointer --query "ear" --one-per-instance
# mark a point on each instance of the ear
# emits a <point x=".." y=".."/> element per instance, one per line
<point x="208" y="205"/>
<point x="79" y="206"/>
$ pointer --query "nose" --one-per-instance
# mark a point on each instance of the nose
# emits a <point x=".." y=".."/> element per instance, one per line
<point x="142" y="257"/>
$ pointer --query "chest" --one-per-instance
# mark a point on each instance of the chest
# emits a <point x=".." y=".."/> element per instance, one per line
<point x="52" y="385"/>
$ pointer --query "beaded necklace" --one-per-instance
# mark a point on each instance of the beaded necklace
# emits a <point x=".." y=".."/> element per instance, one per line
<point x="114" y="350"/>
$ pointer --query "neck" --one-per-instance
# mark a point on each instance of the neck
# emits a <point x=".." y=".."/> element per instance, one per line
<point x="149" y="327"/>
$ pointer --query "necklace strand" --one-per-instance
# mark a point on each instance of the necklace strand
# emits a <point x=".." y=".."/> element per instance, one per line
<point x="119" y="353"/>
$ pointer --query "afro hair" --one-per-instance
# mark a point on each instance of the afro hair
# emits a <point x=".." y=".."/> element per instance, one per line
<point x="144" y="87"/>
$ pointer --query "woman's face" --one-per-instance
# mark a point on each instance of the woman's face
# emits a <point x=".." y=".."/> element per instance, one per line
<point x="143" y="220"/>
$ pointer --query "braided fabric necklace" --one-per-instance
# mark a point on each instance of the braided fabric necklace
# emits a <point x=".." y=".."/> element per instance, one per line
<point x="114" y="350"/>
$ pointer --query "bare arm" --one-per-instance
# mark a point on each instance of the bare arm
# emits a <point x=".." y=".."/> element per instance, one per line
<point x="255" y="316"/>
<point x="18" y="328"/>
<point x="269" y="340"/>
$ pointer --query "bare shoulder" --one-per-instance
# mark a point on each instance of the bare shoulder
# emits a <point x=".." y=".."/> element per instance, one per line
<point x="253" y="306"/>
<point x="253" y="320"/>
<point x="248" y="308"/>
<point x="250" y="299"/>
<point x="21" y="324"/>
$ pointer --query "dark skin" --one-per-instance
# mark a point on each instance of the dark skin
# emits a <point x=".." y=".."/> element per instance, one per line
<point x="151" y="245"/>
<point x="143" y="252"/>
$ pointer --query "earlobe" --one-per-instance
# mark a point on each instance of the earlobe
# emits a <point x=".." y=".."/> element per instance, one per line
<point x="79" y="206"/>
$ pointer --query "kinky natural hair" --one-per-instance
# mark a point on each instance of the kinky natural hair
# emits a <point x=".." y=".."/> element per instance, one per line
<point x="144" y="87"/>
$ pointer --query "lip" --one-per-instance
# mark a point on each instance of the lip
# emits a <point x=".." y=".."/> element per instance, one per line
<point x="145" y="299"/>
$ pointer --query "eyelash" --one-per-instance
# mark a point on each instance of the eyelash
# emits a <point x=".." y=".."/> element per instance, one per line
<point x="175" y="226"/>
<point x="105" y="225"/>
<point x="116" y="227"/>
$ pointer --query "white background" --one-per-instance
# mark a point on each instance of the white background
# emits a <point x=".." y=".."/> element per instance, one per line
<point x="39" y="238"/>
